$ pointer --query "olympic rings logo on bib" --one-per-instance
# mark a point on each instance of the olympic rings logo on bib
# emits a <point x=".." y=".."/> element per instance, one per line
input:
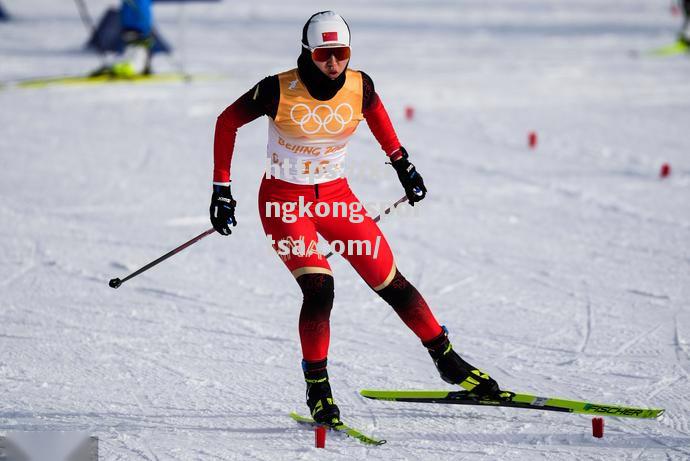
<point x="322" y="117"/>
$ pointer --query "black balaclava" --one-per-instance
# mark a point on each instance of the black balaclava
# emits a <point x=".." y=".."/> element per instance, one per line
<point x="319" y="85"/>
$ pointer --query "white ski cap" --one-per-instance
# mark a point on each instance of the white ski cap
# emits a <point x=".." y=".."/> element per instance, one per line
<point x="326" y="28"/>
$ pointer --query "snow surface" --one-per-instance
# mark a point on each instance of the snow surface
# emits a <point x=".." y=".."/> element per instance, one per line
<point x="562" y="271"/>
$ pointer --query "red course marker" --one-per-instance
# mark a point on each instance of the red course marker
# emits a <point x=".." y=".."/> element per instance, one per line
<point x="665" y="170"/>
<point x="532" y="139"/>
<point x="598" y="427"/>
<point x="320" y="433"/>
<point x="409" y="112"/>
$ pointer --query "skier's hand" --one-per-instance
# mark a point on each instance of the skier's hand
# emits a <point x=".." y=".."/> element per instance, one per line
<point x="410" y="179"/>
<point x="222" y="209"/>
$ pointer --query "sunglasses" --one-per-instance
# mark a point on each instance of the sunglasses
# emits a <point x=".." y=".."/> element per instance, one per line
<point x="341" y="53"/>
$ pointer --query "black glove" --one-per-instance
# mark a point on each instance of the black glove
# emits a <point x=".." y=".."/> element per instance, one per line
<point x="411" y="181"/>
<point x="222" y="209"/>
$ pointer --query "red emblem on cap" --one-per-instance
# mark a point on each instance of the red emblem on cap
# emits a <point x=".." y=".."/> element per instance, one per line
<point x="329" y="36"/>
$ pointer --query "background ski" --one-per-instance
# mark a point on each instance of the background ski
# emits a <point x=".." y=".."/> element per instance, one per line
<point x="76" y="80"/>
<point x="527" y="401"/>
<point x="101" y="79"/>
<point x="675" y="48"/>
<point x="342" y="428"/>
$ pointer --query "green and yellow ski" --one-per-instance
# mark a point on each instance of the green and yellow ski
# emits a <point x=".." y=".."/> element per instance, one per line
<point x="675" y="48"/>
<point x="101" y="79"/>
<point x="104" y="79"/>
<point x="526" y="401"/>
<point x="339" y="427"/>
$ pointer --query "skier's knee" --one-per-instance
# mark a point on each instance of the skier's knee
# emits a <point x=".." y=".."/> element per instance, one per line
<point x="318" y="290"/>
<point x="399" y="292"/>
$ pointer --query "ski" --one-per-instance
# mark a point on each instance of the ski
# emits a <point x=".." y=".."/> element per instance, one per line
<point x="340" y="427"/>
<point x="103" y="79"/>
<point x="526" y="401"/>
<point x="675" y="48"/>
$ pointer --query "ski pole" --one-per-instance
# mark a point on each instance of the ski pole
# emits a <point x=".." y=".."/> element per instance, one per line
<point x="378" y="218"/>
<point x="116" y="282"/>
<point x="87" y="20"/>
<point x="85" y="16"/>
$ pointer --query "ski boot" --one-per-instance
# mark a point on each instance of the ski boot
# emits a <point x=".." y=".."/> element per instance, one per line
<point x="684" y="35"/>
<point x="454" y="370"/>
<point x="319" y="397"/>
<point x="137" y="55"/>
<point x="135" y="61"/>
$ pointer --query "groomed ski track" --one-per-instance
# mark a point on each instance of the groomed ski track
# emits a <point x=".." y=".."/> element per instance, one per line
<point x="562" y="271"/>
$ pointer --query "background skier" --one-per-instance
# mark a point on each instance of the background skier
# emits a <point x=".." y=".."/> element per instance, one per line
<point x="684" y="35"/>
<point x="136" y="19"/>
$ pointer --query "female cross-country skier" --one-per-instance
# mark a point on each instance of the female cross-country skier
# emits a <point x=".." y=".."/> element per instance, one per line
<point x="313" y="110"/>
